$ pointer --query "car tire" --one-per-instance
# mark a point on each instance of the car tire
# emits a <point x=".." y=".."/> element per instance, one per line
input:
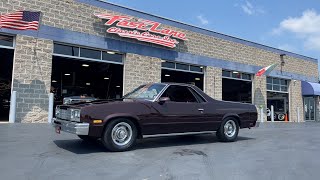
<point x="228" y="131"/>
<point x="87" y="138"/>
<point x="119" y="135"/>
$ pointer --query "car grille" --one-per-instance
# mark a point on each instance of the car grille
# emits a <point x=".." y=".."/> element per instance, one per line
<point x="64" y="114"/>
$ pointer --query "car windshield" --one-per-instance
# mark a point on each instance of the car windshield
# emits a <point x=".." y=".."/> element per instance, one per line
<point x="149" y="92"/>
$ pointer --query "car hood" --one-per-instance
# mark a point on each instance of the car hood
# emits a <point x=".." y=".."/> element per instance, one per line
<point x="101" y="102"/>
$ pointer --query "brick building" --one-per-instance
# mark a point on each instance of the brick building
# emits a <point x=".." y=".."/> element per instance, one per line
<point x="72" y="54"/>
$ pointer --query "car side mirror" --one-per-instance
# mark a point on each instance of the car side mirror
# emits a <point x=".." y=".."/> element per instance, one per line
<point x="162" y="100"/>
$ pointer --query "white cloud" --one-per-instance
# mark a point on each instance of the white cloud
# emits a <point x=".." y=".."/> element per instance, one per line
<point x="247" y="8"/>
<point x="250" y="9"/>
<point x="306" y="27"/>
<point x="287" y="47"/>
<point x="203" y="20"/>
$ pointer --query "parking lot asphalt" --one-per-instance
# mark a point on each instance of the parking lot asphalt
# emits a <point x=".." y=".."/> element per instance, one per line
<point x="272" y="151"/>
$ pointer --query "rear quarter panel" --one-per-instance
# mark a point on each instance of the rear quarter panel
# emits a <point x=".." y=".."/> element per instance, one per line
<point x="246" y="113"/>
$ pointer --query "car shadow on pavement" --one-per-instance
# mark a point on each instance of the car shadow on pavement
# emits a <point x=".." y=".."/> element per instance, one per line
<point x="79" y="146"/>
<point x="180" y="141"/>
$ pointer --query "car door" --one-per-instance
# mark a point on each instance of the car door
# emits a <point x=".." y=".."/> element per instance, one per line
<point x="183" y="113"/>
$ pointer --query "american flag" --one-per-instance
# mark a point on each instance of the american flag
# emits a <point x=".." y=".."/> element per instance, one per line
<point x="20" y="20"/>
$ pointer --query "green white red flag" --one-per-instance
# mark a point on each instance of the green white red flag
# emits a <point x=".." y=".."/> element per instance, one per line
<point x="266" y="70"/>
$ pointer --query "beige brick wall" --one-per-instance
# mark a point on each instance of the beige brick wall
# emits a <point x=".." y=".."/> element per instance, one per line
<point x="213" y="82"/>
<point x="31" y="78"/>
<point x="295" y="101"/>
<point x="317" y="99"/>
<point x="139" y="70"/>
<point x="260" y="95"/>
<point x="65" y="14"/>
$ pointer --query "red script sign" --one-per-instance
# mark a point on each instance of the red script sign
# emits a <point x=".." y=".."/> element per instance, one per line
<point x="146" y="29"/>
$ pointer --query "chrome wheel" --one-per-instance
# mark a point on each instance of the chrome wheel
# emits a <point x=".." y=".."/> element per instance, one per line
<point x="230" y="128"/>
<point x="121" y="134"/>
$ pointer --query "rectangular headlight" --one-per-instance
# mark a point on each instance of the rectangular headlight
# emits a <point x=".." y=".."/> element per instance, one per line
<point x="57" y="112"/>
<point x="75" y="115"/>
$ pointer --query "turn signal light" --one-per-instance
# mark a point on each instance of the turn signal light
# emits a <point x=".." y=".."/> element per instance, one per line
<point x="98" y="121"/>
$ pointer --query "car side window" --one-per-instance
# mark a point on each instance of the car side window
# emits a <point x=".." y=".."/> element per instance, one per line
<point x="199" y="97"/>
<point x="179" y="94"/>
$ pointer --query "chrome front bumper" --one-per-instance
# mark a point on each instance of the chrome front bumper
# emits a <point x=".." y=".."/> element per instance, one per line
<point x="70" y="127"/>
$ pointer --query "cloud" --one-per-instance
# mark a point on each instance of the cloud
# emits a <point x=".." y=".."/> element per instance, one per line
<point x="306" y="27"/>
<point x="203" y="20"/>
<point x="247" y="8"/>
<point x="287" y="47"/>
<point x="250" y="9"/>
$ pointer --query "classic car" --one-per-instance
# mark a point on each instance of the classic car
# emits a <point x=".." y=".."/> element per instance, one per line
<point x="151" y="110"/>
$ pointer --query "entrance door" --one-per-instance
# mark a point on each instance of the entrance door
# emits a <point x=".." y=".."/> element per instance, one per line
<point x="309" y="108"/>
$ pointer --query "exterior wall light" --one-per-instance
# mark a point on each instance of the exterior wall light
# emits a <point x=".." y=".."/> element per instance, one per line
<point x="282" y="61"/>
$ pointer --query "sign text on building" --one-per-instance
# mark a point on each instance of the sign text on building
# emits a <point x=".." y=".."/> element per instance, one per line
<point x="164" y="37"/>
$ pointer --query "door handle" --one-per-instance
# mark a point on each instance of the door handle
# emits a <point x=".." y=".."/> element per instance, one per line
<point x="201" y="110"/>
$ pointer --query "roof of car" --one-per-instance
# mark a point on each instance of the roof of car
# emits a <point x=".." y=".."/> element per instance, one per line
<point x="174" y="83"/>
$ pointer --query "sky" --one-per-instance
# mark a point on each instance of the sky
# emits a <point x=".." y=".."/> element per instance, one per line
<point x="291" y="25"/>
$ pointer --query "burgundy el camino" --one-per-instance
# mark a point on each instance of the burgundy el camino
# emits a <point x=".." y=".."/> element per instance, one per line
<point x="151" y="110"/>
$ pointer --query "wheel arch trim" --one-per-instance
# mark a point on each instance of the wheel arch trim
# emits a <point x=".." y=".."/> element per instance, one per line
<point x="133" y="118"/>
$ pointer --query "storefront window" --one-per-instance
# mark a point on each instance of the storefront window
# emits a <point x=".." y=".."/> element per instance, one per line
<point x="6" y="41"/>
<point x="66" y="50"/>
<point x="112" y="57"/>
<point x="236" y="75"/>
<point x="182" y="73"/>
<point x="276" y="84"/>
<point x="169" y="65"/>
<point x="226" y="73"/>
<point x="182" y="66"/>
<point x="179" y="66"/>
<point x="84" y="53"/>
<point x="195" y="68"/>
<point x="89" y="53"/>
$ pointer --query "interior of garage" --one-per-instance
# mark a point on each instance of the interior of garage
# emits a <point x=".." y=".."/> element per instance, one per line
<point x="89" y="79"/>
<point x="236" y="86"/>
<point x="278" y="97"/>
<point x="280" y="103"/>
<point x="6" y="66"/>
<point x="182" y="73"/>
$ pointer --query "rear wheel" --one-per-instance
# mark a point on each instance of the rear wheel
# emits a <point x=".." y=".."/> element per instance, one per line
<point x="228" y="130"/>
<point x="119" y="135"/>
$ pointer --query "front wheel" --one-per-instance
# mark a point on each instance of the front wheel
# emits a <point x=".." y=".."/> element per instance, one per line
<point x="119" y="135"/>
<point x="228" y="131"/>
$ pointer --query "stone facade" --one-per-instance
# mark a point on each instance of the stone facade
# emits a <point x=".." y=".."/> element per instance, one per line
<point x="32" y="78"/>
<point x="64" y="14"/>
<point x="213" y="82"/>
<point x="317" y="99"/>
<point x="140" y="70"/>
<point x="260" y="95"/>
<point x="295" y="102"/>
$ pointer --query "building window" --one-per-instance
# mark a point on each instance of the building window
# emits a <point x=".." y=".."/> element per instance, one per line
<point x="277" y="84"/>
<point x="66" y="50"/>
<point x="182" y="73"/>
<point x="63" y="50"/>
<point x="181" y="67"/>
<point x="6" y="41"/>
<point x="236" y="75"/>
